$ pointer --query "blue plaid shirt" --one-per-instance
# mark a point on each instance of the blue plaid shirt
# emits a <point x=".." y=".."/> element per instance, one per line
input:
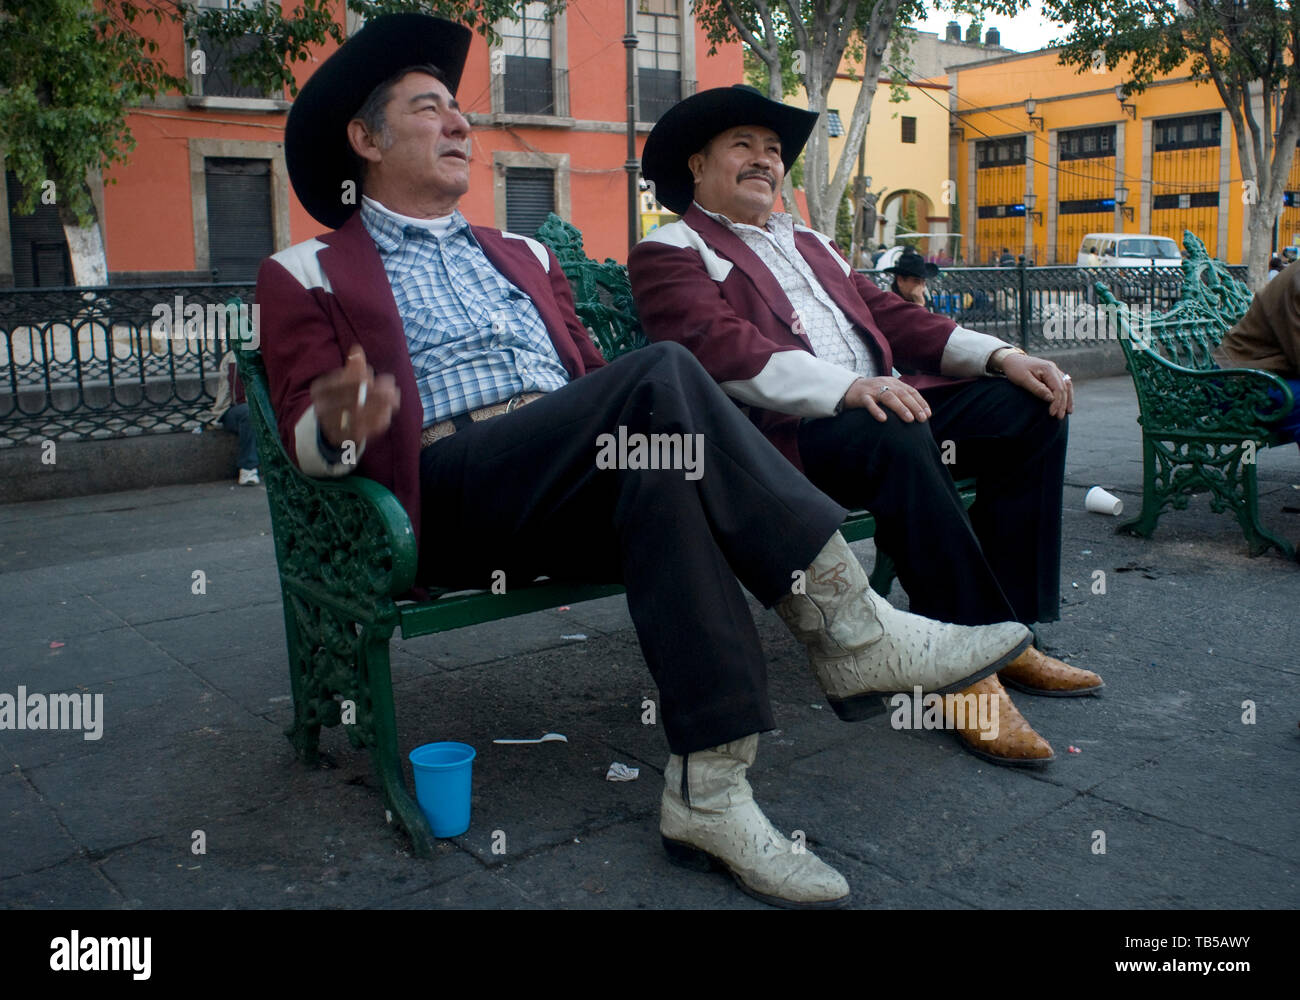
<point x="475" y="339"/>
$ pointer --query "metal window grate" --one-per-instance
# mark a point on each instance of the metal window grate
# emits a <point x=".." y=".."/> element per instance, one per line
<point x="530" y="197"/>
<point x="240" y="233"/>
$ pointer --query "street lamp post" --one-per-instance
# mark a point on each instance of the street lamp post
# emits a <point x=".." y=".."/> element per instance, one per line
<point x="632" y="166"/>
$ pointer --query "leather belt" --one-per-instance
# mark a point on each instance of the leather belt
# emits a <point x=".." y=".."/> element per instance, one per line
<point x="446" y="428"/>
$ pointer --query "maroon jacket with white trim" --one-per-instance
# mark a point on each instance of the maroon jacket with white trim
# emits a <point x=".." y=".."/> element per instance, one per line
<point x="319" y="298"/>
<point x="697" y="283"/>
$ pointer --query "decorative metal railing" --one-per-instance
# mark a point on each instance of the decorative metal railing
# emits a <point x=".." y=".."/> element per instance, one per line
<point x="80" y="363"/>
<point x="1048" y="308"/>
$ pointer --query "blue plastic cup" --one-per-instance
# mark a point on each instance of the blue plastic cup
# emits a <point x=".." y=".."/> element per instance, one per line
<point x="442" y="785"/>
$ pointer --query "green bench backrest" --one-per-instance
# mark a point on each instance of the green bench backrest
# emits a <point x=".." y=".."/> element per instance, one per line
<point x="601" y="292"/>
<point x="1212" y="300"/>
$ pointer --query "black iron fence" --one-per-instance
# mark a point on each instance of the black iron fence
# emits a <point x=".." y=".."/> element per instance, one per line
<point x="82" y="363"/>
<point x="1048" y="308"/>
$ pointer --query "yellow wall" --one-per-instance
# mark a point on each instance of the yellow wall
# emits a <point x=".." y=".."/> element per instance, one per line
<point x="892" y="164"/>
<point x="896" y="167"/>
<point x="990" y="103"/>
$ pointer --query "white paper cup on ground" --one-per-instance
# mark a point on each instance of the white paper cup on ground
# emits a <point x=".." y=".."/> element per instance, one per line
<point x="1098" y="501"/>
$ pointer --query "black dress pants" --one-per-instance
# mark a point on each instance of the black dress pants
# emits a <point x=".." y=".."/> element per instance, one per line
<point x="522" y="493"/>
<point x="1001" y="563"/>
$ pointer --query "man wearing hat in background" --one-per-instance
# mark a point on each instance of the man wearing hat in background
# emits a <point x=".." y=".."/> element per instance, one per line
<point x="911" y="271"/>
<point x="807" y="346"/>
<point x="446" y="361"/>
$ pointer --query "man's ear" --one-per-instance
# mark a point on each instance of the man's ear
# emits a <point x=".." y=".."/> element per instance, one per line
<point x="696" y="166"/>
<point x="362" y="142"/>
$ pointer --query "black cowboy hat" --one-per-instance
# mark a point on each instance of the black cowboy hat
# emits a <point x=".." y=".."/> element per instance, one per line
<point x="686" y="128"/>
<point x="316" y="149"/>
<point x="911" y="264"/>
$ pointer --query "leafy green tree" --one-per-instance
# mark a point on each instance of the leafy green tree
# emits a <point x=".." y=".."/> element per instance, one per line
<point x="71" y="69"/>
<point x="844" y="223"/>
<point x="68" y="72"/>
<point x="1248" y="51"/>
<point x="810" y="39"/>
<point x="908" y="222"/>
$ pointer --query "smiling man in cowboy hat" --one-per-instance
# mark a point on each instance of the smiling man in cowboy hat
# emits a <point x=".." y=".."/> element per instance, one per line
<point x="777" y="317"/>
<point x="449" y="360"/>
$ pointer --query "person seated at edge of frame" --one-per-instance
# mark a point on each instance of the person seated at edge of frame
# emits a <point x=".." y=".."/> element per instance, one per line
<point x="446" y="361"/>
<point x="807" y="345"/>
<point x="1268" y="338"/>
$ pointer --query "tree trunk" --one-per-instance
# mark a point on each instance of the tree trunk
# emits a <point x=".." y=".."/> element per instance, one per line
<point x="85" y="248"/>
<point x="1259" y="232"/>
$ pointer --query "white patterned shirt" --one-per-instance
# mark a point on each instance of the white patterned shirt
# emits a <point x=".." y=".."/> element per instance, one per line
<point x="829" y="330"/>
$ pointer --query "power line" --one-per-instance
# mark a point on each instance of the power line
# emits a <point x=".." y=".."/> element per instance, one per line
<point x="1030" y="158"/>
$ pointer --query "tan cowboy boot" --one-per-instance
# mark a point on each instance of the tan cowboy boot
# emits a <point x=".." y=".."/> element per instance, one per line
<point x="863" y="649"/>
<point x="1009" y="740"/>
<point x="709" y="820"/>
<point x="1037" y="673"/>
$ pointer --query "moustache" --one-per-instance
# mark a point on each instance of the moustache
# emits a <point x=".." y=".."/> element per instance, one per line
<point x="745" y="175"/>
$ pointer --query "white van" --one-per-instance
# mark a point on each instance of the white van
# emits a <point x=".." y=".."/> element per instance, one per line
<point x="1128" y="250"/>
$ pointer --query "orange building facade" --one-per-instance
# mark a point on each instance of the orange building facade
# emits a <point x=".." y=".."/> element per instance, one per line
<point x="206" y="187"/>
<point x="1045" y="155"/>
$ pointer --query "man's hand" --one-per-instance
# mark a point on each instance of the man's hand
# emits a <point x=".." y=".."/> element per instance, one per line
<point x="1043" y="379"/>
<point x="878" y="395"/>
<point x="352" y="404"/>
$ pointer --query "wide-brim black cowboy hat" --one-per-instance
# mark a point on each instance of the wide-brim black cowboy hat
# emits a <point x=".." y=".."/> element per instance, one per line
<point x="686" y="128"/>
<point x="911" y="264"/>
<point x="316" y="149"/>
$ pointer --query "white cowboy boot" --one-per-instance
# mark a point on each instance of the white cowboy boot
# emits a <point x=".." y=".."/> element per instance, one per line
<point x="863" y="649"/>
<point x="709" y="820"/>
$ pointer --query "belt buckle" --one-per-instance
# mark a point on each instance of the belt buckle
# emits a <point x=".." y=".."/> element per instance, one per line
<point x="515" y="402"/>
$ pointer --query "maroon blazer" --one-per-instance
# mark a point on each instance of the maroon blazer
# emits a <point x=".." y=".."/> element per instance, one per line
<point x="697" y="283"/>
<point x="319" y="298"/>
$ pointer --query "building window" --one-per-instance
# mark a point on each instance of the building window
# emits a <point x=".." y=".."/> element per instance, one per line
<point x="1000" y="152"/>
<point x="530" y="197"/>
<point x="240" y="230"/>
<point x="216" y="80"/>
<point x="529" y="87"/>
<point x="909" y="129"/>
<point x="834" y="124"/>
<point x="1085" y="206"/>
<point x="1001" y="211"/>
<point x="658" y="57"/>
<point x="1194" y="199"/>
<point x="1084" y="143"/>
<point x="1186" y="133"/>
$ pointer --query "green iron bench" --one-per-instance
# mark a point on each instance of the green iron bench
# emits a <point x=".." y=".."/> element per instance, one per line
<point x="347" y="562"/>
<point x="1202" y="426"/>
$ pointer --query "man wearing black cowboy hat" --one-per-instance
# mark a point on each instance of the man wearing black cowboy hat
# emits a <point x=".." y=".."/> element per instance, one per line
<point x="777" y="317"/>
<point x="448" y="360"/>
<point x="911" y="271"/>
